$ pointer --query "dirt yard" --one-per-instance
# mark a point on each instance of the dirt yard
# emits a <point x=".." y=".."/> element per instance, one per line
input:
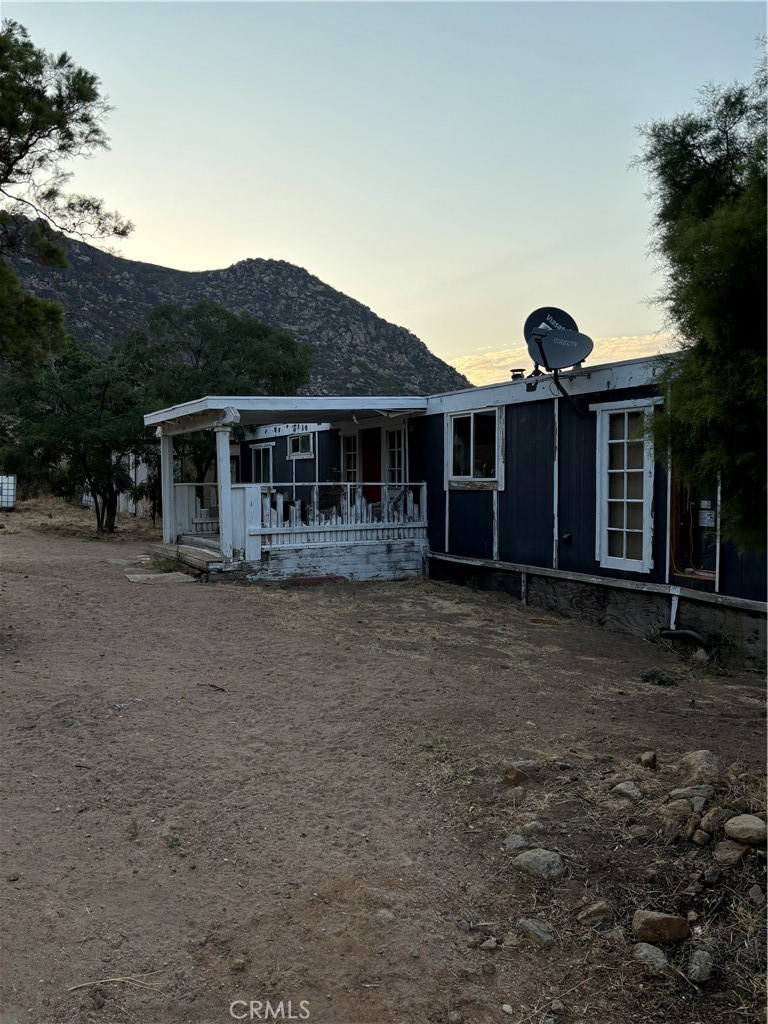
<point x="220" y="800"/>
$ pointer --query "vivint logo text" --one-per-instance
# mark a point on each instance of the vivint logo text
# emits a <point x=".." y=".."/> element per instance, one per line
<point x="256" y="1009"/>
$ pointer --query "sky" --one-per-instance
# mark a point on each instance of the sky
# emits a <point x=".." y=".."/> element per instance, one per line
<point x="452" y="165"/>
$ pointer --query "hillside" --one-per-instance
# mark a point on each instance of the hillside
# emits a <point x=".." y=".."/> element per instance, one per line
<point x="355" y="351"/>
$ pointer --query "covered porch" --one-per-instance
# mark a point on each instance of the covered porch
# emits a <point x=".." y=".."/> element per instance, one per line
<point x="277" y="528"/>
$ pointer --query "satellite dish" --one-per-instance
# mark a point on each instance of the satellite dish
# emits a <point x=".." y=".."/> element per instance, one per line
<point x="551" y="319"/>
<point x="559" y="349"/>
<point x="554" y="340"/>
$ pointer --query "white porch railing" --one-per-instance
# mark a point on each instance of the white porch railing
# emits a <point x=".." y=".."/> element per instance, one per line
<point x="284" y="515"/>
<point x="196" y="508"/>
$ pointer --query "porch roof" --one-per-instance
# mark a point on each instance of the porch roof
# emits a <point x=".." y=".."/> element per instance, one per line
<point x="254" y="410"/>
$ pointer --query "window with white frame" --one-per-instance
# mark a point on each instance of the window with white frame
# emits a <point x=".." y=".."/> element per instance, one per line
<point x="625" y="464"/>
<point x="349" y="458"/>
<point x="261" y="463"/>
<point x="300" y="446"/>
<point x="395" y="462"/>
<point x="473" y="441"/>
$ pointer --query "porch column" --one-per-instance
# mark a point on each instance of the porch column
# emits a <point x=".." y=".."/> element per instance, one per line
<point x="222" y="430"/>
<point x="166" y="487"/>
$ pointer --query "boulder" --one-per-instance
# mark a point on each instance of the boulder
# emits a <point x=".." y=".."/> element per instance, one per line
<point x="537" y="932"/>
<point x="688" y="792"/>
<point x="700" y="966"/>
<point x="648" y="759"/>
<point x="700" y="767"/>
<point x="652" y="957"/>
<point x="627" y="791"/>
<point x="714" y="819"/>
<point x="729" y="852"/>
<point x="746" y="828"/>
<point x="544" y="864"/>
<point x="650" y="926"/>
<point x="514" y="842"/>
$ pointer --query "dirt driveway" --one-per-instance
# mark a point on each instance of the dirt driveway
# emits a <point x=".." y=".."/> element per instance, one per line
<point x="225" y="795"/>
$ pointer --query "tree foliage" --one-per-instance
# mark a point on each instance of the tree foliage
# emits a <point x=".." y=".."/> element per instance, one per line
<point x="78" y="419"/>
<point x="708" y="175"/>
<point x="208" y="350"/>
<point x="51" y="111"/>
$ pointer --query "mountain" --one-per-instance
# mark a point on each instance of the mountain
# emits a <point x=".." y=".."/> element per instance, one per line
<point x="355" y="351"/>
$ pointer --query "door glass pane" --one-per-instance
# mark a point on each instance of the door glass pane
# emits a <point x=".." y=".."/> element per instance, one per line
<point x="634" y="515"/>
<point x="635" y="424"/>
<point x="462" y="449"/>
<point x="616" y="426"/>
<point x="615" y="544"/>
<point x="635" y="485"/>
<point x="635" y="546"/>
<point x="616" y="456"/>
<point x="616" y="514"/>
<point x="615" y="485"/>
<point x="635" y="455"/>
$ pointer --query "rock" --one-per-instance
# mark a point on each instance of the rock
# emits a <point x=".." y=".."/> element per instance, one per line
<point x="746" y="828"/>
<point x="514" y="777"/>
<point x="557" y="1006"/>
<point x="688" y="792"/>
<point x="679" y="808"/>
<point x="385" y="916"/>
<point x="628" y="791"/>
<point x="700" y="966"/>
<point x="537" y="932"/>
<point x="700" y="837"/>
<point x="728" y="852"/>
<point x="237" y="965"/>
<point x="698" y="803"/>
<point x="714" y="819"/>
<point x="489" y="944"/>
<point x="739" y="806"/>
<point x="756" y="896"/>
<point x="652" y="957"/>
<point x="700" y="767"/>
<point x="514" y="842"/>
<point x="540" y="863"/>
<point x="13" y="877"/>
<point x="454" y="1017"/>
<point x="507" y="1008"/>
<point x="648" y="759"/>
<point x="616" y="937"/>
<point x="712" y="875"/>
<point x="530" y="827"/>
<point x="596" y="914"/>
<point x="515" y="795"/>
<point x="529" y="767"/>
<point x="463" y="926"/>
<point x="488" y="968"/>
<point x="692" y="825"/>
<point x="650" y="926"/>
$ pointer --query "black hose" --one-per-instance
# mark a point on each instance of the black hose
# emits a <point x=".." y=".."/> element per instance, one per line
<point x="686" y="634"/>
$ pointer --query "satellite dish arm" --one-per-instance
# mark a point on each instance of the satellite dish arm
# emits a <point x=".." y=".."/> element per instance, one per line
<point x="578" y="407"/>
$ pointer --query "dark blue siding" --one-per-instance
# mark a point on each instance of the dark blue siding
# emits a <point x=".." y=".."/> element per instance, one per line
<point x="470" y="523"/>
<point x="525" y="504"/>
<point x="577" y="485"/>
<point x="742" y="574"/>
<point x="427" y="463"/>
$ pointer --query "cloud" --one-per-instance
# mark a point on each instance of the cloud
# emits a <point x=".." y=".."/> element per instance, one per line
<point x="492" y="367"/>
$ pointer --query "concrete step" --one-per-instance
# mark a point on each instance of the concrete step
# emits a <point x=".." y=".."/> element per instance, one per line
<point x="195" y="557"/>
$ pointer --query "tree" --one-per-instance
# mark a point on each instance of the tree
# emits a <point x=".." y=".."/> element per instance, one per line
<point x="209" y="350"/>
<point x="78" y="419"/>
<point x="708" y="174"/>
<point x="51" y="111"/>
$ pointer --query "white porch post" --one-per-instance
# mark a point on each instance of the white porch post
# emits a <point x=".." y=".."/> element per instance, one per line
<point x="166" y="487"/>
<point x="223" y="429"/>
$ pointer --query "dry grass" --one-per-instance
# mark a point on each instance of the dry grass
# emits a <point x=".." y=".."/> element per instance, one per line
<point x="70" y="519"/>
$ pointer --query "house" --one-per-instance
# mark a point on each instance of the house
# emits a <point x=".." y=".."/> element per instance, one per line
<point x="552" y="494"/>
